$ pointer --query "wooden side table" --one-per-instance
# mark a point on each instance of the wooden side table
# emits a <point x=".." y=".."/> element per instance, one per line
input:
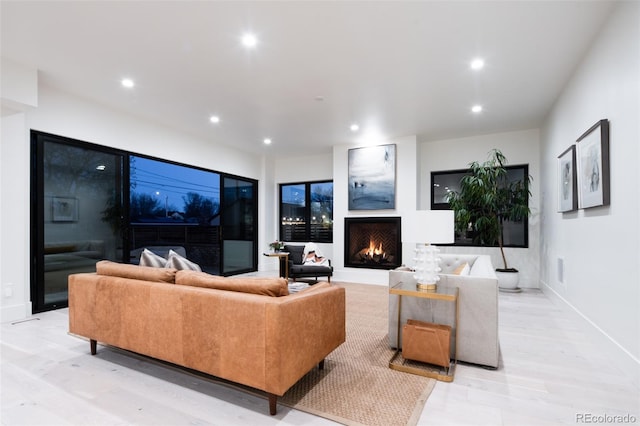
<point x="283" y="258"/>
<point x="447" y="294"/>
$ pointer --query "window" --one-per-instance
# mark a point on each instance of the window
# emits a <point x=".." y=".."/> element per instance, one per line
<point x="515" y="234"/>
<point x="173" y="204"/>
<point x="306" y="212"/>
<point x="164" y="192"/>
<point x="211" y="215"/>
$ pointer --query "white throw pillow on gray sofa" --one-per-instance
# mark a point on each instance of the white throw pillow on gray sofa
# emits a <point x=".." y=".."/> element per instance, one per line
<point x="149" y="258"/>
<point x="178" y="262"/>
<point x="174" y="260"/>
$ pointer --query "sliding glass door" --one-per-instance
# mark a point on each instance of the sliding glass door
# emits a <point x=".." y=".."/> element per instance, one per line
<point x="77" y="205"/>
<point x="239" y="228"/>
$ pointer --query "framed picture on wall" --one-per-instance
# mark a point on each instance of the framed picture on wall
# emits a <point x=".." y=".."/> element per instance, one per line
<point x="593" y="166"/>
<point x="372" y="178"/>
<point x="567" y="182"/>
<point x="64" y="209"/>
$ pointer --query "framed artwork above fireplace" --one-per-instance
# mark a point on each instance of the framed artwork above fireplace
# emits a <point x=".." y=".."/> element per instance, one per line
<point x="372" y="178"/>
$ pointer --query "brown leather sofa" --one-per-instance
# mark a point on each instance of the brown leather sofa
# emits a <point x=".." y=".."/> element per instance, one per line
<point x="246" y="330"/>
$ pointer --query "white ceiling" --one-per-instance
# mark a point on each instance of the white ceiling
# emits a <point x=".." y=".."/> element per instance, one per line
<point x="397" y="68"/>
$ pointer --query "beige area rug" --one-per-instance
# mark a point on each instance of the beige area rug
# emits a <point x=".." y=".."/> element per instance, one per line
<point x="357" y="387"/>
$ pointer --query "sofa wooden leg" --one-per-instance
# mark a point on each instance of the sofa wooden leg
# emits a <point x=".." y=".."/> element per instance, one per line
<point x="94" y="346"/>
<point x="273" y="398"/>
<point x="329" y="279"/>
<point x="321" y="365"/>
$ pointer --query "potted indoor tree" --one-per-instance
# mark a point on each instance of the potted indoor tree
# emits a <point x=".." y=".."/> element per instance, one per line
<point x="487" y="197"/>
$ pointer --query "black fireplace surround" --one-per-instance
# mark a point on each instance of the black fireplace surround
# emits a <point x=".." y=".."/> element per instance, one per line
<point x="372" y="242"/>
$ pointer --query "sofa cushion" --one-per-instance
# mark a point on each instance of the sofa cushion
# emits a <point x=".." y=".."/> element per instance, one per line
<point x="449" y="262"/>
<point x="149" y="258"/>
<point x="295" y="253"/>
<point x="483" y="267"/>
<point x="179" y="262"/>
<point x="144" y="273"/>
<point x="311" y="269"/>
<point x="274" y="287"/>
<point x="462" y="269"/>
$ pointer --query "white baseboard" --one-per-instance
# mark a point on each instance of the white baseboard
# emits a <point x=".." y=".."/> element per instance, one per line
<point x="621" y="356"/>
<point x="15" y="312"/>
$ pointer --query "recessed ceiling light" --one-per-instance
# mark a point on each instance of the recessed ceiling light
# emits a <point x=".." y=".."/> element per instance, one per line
<point x="101" y="167"/>
<point x="249" y="40"/>
<point x="354" y="127"/>
<point x="476" y="108"/>
<point x="127" y="82"/>
<point x="214" y="119"/>
<point x="267" y="141"/>
<point x="477" y="64"/>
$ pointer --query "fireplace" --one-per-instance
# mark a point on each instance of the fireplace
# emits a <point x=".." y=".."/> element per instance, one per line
<point x="372" y="242"/>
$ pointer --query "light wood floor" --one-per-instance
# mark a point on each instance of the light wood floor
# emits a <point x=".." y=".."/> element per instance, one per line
<point x="550" y="374"/>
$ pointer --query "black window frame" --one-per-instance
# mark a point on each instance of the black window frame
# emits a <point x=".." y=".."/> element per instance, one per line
<point x="524" y="224"/>
<point x="307" y="234"/>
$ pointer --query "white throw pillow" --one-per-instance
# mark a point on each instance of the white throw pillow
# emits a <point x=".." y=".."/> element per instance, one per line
<point x="462" y="269"/>
<point x="465" y="270"/>
<point x="178" y="262"/>
<point x="149" y="258"/>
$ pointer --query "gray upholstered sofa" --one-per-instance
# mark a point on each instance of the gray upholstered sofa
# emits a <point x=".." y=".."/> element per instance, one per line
<point x="478" y="307"/>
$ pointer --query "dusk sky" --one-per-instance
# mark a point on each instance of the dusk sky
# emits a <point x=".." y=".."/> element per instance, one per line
<point x="170" y="182"/>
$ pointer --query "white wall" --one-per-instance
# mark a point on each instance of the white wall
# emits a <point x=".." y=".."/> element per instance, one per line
<point x="291" y="170"/>
<point x="66" y="115"/>
<point x="62" y="114"/>
<point x="415" y="161"/>
<point x="14" y="218"/>
<point x="406" y="190"/>
<point x="600" y="246"/>
<point x="521" y="147"/>
<point x="19" y="94"/>
<point x="267" y="214"/>
<point x="19" y="86"/>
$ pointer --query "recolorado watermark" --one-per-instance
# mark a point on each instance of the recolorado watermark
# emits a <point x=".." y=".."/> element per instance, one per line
<point x="606" y="418"/>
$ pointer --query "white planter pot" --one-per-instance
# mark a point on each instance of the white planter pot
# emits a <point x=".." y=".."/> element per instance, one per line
<point x="508" y="281"/>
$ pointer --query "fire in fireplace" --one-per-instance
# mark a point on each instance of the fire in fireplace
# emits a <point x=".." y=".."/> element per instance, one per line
<point x="372" y="242"/>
